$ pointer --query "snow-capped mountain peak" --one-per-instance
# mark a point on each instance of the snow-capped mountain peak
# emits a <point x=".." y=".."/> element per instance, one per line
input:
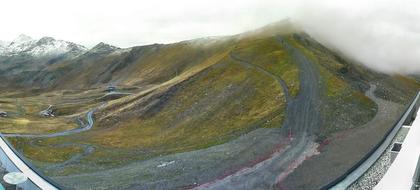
<point x="46" y="40"/>
<point x="22" y="39"/>
<point x="45" y="46"/>
<point x="19" y="44"/>
<point x="49" y="45"/>
<point x="4" y="43"/>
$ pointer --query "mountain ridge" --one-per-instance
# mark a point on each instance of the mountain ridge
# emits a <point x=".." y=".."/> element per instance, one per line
<point x="45" y="46"/>
<point x="237" y="98"/>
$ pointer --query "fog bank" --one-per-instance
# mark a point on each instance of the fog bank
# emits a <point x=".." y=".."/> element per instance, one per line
<point x="384" y="35"/>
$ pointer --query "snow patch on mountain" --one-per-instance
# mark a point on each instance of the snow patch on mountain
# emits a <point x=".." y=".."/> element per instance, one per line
<point x="4" y="43"/>
<point x="48" y="46"/>
<point x="103" y="48"/>
<point x="45" y="46"/>
<point x="121" y="51"/>
<point x="21" y="39"/>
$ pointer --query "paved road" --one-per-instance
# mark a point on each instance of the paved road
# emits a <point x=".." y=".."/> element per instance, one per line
<point x="88" y="126"/>
<point x="302" y="121"/>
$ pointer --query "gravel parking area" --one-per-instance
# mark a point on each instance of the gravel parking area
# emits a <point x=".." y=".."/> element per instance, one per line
<point x="378" y="170"/>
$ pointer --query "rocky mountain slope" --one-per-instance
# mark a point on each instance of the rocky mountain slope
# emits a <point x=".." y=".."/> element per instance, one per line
<point x="24" y="56"/>
<point x="46" y="46"/>
<point x="264" y="108"/>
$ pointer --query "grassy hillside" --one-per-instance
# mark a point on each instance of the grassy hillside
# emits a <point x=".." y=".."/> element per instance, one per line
<point x="207" y="104"/>
<point x="188" y="96"/>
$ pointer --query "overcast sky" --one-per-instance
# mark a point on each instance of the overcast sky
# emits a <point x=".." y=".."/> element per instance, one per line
<point x="134" y="22"/>
<point x="383" y="34"/>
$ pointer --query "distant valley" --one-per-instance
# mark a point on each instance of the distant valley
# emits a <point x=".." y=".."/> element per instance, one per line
<point x="207" y="113"/>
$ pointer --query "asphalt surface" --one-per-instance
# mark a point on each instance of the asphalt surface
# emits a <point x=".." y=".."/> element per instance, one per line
<point x="88" y="126"/>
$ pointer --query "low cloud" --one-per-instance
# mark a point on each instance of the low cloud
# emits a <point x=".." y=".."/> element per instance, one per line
<point x="384" y="35"/>
<point x="128" y="23"/>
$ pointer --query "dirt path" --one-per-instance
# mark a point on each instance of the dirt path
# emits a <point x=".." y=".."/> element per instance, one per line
<point x="361" y="169"/>
<point x="345" y="148"/>
<point x="262" y="70"/>
<point x="303" y="117"/>
<point x="302" y="120"/>
<point x="87" y="150"/>
<point x="242" y="163"/>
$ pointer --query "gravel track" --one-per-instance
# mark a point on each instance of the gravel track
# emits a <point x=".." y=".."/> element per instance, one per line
<point x="302" y="120"/>
<point x="228" y="163"/>
<point x="343" y="149"/>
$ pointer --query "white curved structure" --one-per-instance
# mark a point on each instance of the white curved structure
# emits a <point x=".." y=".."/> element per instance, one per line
<point x="13" y="163"/>
<point x="401" y="173"/>
<point x="355" y="174"/>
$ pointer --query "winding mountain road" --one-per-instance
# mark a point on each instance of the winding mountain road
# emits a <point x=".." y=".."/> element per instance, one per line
<point x="301" y="122"/>
<point x="89" y="125"/>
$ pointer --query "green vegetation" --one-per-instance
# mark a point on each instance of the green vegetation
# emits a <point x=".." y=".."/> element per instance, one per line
<point x="344" y="105"/>
<point x="46" y="153"/>
<point x="24" y="117"/>
<point x="268" y="54"/>
<point x="36" y="125"/>
<point x="201" y="112"/>
<point x="199" y="97"/>
<point x="186" y="96"/>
